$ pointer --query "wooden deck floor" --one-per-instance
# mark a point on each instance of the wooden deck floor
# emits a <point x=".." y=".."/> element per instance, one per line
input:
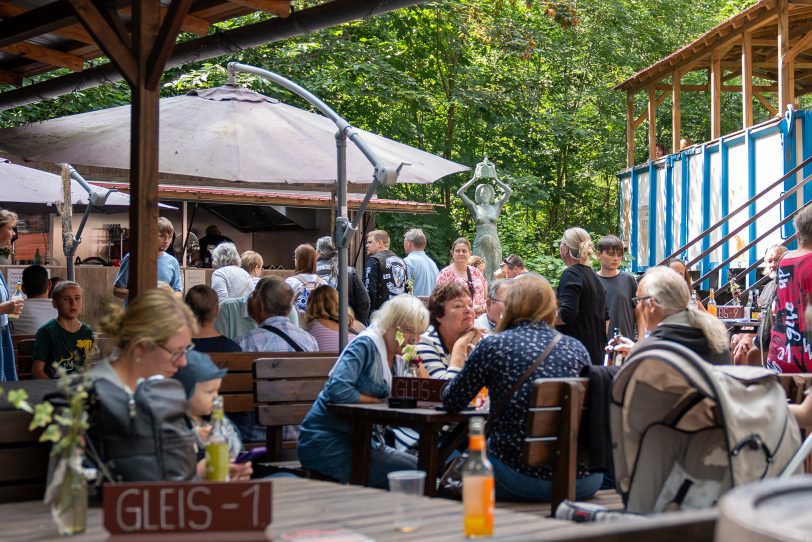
<point x="607" y="497"/>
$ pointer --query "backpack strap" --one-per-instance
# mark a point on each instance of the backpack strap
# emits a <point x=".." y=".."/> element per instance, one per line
<point x="470" y="281"/>
<point x="285" y="337"/>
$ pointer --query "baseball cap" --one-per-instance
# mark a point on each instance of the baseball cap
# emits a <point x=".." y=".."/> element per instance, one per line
<point x="199" y="368"/>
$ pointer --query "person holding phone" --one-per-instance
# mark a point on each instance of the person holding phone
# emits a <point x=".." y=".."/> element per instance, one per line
<point x="202" y="379"/>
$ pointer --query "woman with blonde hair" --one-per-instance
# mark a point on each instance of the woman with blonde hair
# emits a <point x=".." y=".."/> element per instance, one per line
<point x="152" y="338"/>
<point x="8" y="307"/>
<point x="581" y="299"/>
<point x="498" y="362"/>
<point x="362" y="374"/>
<point x="252" y="262"/>
<point x="321" y="319"/>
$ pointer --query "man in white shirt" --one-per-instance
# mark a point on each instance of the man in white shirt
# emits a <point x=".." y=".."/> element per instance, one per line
<point x="38" y="307"/>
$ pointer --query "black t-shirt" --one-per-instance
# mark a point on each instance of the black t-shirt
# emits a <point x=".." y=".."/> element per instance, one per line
<point x="620" y="290"/>
<point x="582" y="307"/>
<point x="216" y="344"/>
<point x="210" y="241"/>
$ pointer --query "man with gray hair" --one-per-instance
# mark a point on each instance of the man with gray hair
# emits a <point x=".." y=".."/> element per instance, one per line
<point x="276" y="333"/>
<point x="497" y="293"/>
<point x="422" y="269"/>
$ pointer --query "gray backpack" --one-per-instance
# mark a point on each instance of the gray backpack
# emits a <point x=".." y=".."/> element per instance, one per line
<point x="684" y="432"/>
<point x="145" y="436"/>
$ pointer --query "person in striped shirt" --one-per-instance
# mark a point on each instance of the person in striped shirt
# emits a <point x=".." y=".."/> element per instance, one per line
<point x="452" y="317"/>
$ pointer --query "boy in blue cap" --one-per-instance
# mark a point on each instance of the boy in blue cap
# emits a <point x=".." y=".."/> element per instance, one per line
<point x="202" y="379"/>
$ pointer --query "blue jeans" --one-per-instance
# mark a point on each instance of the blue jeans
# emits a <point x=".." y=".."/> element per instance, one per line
<point x="383" y="460"/>
<point x="512" y="485"/>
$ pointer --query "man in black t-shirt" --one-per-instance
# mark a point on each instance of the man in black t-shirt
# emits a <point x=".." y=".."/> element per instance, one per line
<point x="209" y="242"/>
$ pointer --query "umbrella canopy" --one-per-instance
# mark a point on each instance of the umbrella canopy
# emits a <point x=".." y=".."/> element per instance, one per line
<point x="228" y="133"/>
<point x="25" y="187"/>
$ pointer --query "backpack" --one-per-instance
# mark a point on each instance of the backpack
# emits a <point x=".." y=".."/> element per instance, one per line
<point x="684" y="432"/>
<point x="144" y="436"/>
<point x="300" y="302"/>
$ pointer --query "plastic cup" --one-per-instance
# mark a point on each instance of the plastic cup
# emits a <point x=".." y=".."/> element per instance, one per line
<point x="407" y="487"/>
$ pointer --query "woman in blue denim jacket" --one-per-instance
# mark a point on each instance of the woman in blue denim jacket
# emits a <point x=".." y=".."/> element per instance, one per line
<point x="363" y="374"/>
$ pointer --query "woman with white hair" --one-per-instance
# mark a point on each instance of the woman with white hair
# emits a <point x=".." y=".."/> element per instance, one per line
<point x="229" y="280"/>
<point x="665" y="298"/>
<point x="581" y="299"/>
<point x="362" y="374"/>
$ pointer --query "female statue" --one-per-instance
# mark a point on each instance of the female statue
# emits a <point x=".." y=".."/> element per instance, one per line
<point x="486" y="213"/>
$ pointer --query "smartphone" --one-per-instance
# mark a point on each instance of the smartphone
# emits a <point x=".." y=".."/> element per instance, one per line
<point x="251" y="454"/>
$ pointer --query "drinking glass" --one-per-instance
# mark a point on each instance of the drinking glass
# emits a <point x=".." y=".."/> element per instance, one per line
<point x="407" y="487"/>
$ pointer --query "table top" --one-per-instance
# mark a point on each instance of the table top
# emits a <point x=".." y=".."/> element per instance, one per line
<point x="383" y="413"/>
<point x="300" y="504"/>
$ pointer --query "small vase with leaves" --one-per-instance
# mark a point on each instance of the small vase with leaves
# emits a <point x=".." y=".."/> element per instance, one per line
<point x="412" y="364"/>
<point x="64" y="426"/>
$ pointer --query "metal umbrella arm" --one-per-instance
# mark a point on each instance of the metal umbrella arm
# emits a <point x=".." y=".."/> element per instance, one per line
<point x="382" y="176"/>
<point x="97" y="197"/>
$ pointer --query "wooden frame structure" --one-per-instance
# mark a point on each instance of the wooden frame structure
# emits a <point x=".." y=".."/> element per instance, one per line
<point x="138" y="36"/>
<point x="770" y="41"/>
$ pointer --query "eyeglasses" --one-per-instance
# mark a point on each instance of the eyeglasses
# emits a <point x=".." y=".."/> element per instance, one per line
<point x="637" y="300"/>
<point x="175" y="355"/>
<point x="502" y="301"/>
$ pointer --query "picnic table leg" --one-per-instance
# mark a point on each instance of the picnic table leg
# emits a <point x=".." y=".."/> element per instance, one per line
<point x="361" y="452"/>
<point x="428" y="458"/>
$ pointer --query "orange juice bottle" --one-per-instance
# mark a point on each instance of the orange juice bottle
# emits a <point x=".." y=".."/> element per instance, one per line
<point x="477" y="484"/>
<point x="712" y="304"/>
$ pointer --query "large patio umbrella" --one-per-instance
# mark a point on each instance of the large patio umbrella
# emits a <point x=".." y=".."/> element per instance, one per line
<point x="228" y="133"/>
<point x="27" y="190"/>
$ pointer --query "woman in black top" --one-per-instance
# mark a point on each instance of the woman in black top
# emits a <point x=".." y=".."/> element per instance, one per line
<point x="203" y="301"/>
<point x="497" y="363"/>
<point x="581" y="300"/>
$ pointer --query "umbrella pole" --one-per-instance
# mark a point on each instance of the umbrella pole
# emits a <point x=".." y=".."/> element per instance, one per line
<point x="344" y="229"/>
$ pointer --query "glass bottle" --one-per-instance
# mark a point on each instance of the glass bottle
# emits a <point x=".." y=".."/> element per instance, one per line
<point x="693" y="298"/>
<point x="477" y="484"/>
<point x="37" y="257"/>
<point x="18" y="294"/>
<point x="748" y="308"/>
<point x="217" y="446"/>
<point x="712" y="310"/>
<point x="609" y="356"/>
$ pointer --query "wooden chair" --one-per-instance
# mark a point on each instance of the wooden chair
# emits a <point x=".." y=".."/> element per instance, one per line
<point x="23" y="459"/>
<point x="25" y="358"/>
<point x="285" y="389"/>
<point x="553" y="420"/>
<point x="795" y="385"/>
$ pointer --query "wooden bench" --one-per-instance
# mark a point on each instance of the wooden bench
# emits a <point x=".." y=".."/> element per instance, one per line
<point x="551" y="433"/>
<point x="285" y="389"/>
<point x="23" y="459"/>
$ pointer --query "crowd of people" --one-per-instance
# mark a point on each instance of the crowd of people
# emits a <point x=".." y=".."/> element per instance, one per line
<point x="475" y="331"/>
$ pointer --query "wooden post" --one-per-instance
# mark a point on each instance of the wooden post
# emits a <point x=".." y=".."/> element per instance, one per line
<point x="747" y="79"/>
<point x="784" y="63"/>
<point x="652" y="122"/>
<point x="630" y="129"/>
<point x="715" y="77"/>
<point x="144" y="153"/>
<point x="676" y="110"/>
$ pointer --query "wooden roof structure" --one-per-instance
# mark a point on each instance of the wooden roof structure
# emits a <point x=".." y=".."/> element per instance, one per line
<point x="139" y="38"/>
<point x="771" y="41"/>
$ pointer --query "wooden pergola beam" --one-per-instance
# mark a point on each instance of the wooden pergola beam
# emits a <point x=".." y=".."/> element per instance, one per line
<point x="44" y="54"/>
<point x="73" y="32"/>
<point x="784" y="62"/>
<point x="280" y="8"/>
<point x="763" y="101"/>
<point x="652" y="122"/>
<point x="630" y="129"/>
<point x="116" y="49"/>
<point x="723" y="88"/>
<point x="715" y="83"/>
<point x="10" y="78"/>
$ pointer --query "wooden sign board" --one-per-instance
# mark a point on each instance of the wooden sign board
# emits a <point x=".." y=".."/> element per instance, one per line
<point x="425" y="390"/>
<point x="154" y="510"/>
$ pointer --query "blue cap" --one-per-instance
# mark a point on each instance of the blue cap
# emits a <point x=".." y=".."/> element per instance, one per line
<point x="199" y="368"/>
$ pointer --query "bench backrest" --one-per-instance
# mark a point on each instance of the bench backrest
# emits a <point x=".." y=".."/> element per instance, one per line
<point x="238" y="385"/>
<point x="285" y="389"/>
<point x="551" y="434"/>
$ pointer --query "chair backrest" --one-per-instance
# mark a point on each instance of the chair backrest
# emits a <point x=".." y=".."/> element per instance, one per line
<point x="795" y="385"/>
<point x="553" y="419"/>
<point x="23" y="459"/>
<point x="285" y="389"/>
<point x="24" y="358"/>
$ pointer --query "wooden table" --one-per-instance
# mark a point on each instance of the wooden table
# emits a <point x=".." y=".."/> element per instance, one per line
<point x="309" y="504"/>
<point x="427" y="421"/>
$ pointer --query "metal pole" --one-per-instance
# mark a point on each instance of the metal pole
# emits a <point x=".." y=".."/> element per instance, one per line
<point x="341" y="239"/>
<point x="344" y="229"/>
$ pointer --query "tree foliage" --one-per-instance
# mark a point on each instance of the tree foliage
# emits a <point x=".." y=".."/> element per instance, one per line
<point x="527" y="83"/>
